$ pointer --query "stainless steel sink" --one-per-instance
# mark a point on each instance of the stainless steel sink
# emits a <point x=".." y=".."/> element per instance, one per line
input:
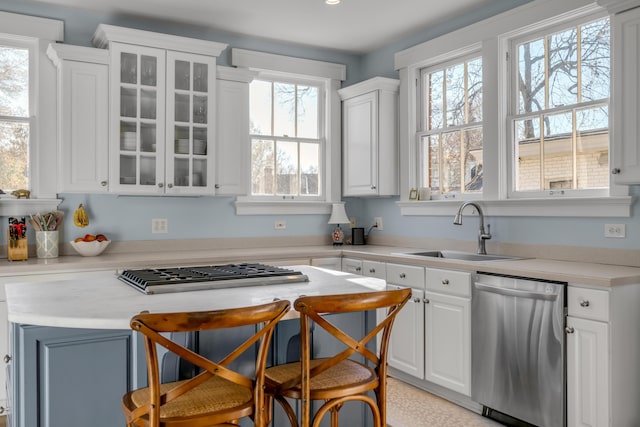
<point x="464" y="256"/>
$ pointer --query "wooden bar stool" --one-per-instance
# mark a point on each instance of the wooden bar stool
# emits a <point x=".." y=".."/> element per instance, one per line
<point x="215" y="396"/>
<point x="337" y="379"/>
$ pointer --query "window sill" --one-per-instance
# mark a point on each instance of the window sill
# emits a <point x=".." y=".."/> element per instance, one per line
<point x="565" y="207"/>
<point x="24" y="207"/>
<point x="245" y="206"/>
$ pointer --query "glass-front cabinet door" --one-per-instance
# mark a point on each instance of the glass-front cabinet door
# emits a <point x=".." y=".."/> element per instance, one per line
<point x="138" y="147"/>
<point x="191" y="82"/>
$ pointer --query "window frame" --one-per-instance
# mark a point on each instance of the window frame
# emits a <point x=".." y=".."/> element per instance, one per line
<point x="43" y="154"/>
<point x="321" y="140"/>
<point x="495" y="34"/>
<point x="542" y="30"/>
<point x="422" y="130"/>
<point x="17" y="42"/>
<point x="330" y="75"/>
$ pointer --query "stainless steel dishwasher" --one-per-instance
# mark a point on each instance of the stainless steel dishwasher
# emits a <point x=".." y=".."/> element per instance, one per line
<point x="518" y="349"/>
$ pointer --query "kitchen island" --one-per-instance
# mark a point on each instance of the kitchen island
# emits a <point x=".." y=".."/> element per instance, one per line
<point x="74" y="354"/>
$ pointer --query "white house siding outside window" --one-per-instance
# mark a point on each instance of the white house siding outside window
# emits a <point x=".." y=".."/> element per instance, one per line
<point x="450" y="134"/>
<point x="286" y="138"/>
<point x="561" y="102"/>
<point x="14" y="115"/>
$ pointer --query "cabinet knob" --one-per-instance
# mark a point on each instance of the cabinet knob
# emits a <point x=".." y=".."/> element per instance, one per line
<point x="103" y="183"/>
<point x="402" y="275"/>
<point x="615" y="171"/>
<point x="426" y="301"/>
<point x="372" y="270"/>
<point x="170" y="185"/>
<point x="160" y="185"/>
<point x="569" y="330"/>
<point x="445" y="281"/>
<point x="373" y="187"/>
<point x="358" y="269"/>
<point x="584" y="303"/>
<point x="6" y="358"/>
<point x="417" y="300"/>
<point x="217" y="186"/>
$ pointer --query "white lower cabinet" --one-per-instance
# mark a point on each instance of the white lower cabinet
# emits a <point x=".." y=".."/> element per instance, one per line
<point x="588" y="364"/>
<point x="447" y="341"/>
<point x="406" y="346"/>
<point x="448" y="329"/>
<point x="353" y="266"/>
<point x="331" y="263"/>
<point x="587" y="373"/>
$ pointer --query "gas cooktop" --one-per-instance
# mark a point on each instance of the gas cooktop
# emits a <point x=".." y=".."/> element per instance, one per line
<point x="182" y="279"/>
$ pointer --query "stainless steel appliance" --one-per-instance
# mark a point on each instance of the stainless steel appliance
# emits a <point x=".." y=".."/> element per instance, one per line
<point x="180" y="279"/>
<point x="518" y="349"/>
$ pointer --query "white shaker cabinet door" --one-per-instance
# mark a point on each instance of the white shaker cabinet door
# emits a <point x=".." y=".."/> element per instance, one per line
<point x="587" y="373"/>
<point x="625" y="94"/>
<point x="83" y="118"/>
<point x="233" y="143"/>
<point x="448" y="341"/>
<point x="406" y="346"/>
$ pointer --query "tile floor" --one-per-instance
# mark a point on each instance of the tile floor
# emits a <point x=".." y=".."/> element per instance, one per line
<point x="408" y="406"/>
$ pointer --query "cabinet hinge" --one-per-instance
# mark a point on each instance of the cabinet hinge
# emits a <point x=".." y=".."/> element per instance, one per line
<point x="506" y="56"/>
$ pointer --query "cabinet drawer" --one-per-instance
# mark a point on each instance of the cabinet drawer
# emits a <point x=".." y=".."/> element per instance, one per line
<point x="353" y="266"/>
<point x="374" y="269"/>
<point x="588" y="303"/>
<point x="449" y="282"/>
<point x="407" y="275"/>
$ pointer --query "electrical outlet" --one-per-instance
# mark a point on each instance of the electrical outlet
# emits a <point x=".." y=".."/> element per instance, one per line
<point x="280" y="225"/>
<point x="159" y="226"/>
<point x="378" y="222"/>
<point x="352" y="222"/>
<point x="618" y="231"/>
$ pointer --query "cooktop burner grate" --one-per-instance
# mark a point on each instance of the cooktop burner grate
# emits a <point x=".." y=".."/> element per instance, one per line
<point x="180" y="279"/>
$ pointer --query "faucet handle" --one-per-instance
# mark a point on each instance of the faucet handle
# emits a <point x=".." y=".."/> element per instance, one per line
<point x="487" y="235"/>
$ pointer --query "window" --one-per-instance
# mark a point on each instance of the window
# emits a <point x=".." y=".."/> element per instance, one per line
<point x="561" y="100"/>
<point x="450" y="133"/>
<point x="14" y="116"/>
<point x="286" y="138"/>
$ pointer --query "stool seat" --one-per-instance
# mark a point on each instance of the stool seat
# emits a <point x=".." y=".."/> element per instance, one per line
<point x="343" y="379"/>
<point x="214" y="395"/>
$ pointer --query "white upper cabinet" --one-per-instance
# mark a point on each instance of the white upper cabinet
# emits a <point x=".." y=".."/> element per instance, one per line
<point x="163" y="112"/>
<point x="370" y="138"/>
<point x="83" y="91"/>
<point x="233" y="142"/>
<point x="625" y="93"/>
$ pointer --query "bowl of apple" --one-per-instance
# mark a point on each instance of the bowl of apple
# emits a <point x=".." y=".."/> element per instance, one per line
<point x="90" y="245"/>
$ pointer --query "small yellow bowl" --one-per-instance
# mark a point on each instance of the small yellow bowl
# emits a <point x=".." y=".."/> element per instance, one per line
<point x="93" y="248"/>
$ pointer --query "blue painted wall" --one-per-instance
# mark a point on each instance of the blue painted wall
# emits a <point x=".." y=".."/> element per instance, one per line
<point x="129" y="218"/>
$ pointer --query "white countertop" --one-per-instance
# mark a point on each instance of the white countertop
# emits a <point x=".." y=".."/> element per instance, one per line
<point x="101" y="301"/>
<point x="579" y="273"/>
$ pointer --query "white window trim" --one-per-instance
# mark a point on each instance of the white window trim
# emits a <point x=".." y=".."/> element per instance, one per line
<point x="39" y="32"/>
<point x="495" y="33"/>
<point x="331" y="75"/>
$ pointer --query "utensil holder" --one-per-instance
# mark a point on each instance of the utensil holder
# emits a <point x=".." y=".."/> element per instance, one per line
<point x="17" y="250"/>
<point x="47" y="244"/>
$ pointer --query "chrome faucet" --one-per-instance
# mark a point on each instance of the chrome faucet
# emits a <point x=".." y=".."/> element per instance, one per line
<point x="482" y="236"/>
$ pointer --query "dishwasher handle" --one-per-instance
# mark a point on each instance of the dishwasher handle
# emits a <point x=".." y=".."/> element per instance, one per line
<point x="515" y="292"/>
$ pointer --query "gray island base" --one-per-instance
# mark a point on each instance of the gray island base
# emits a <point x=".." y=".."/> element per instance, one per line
<point x="74" y="356"/>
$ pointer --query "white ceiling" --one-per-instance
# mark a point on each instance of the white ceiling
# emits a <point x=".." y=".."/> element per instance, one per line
<point x="357" y="26"/>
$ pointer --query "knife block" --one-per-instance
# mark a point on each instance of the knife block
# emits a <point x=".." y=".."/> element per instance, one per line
<point x="17" y="250"/>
